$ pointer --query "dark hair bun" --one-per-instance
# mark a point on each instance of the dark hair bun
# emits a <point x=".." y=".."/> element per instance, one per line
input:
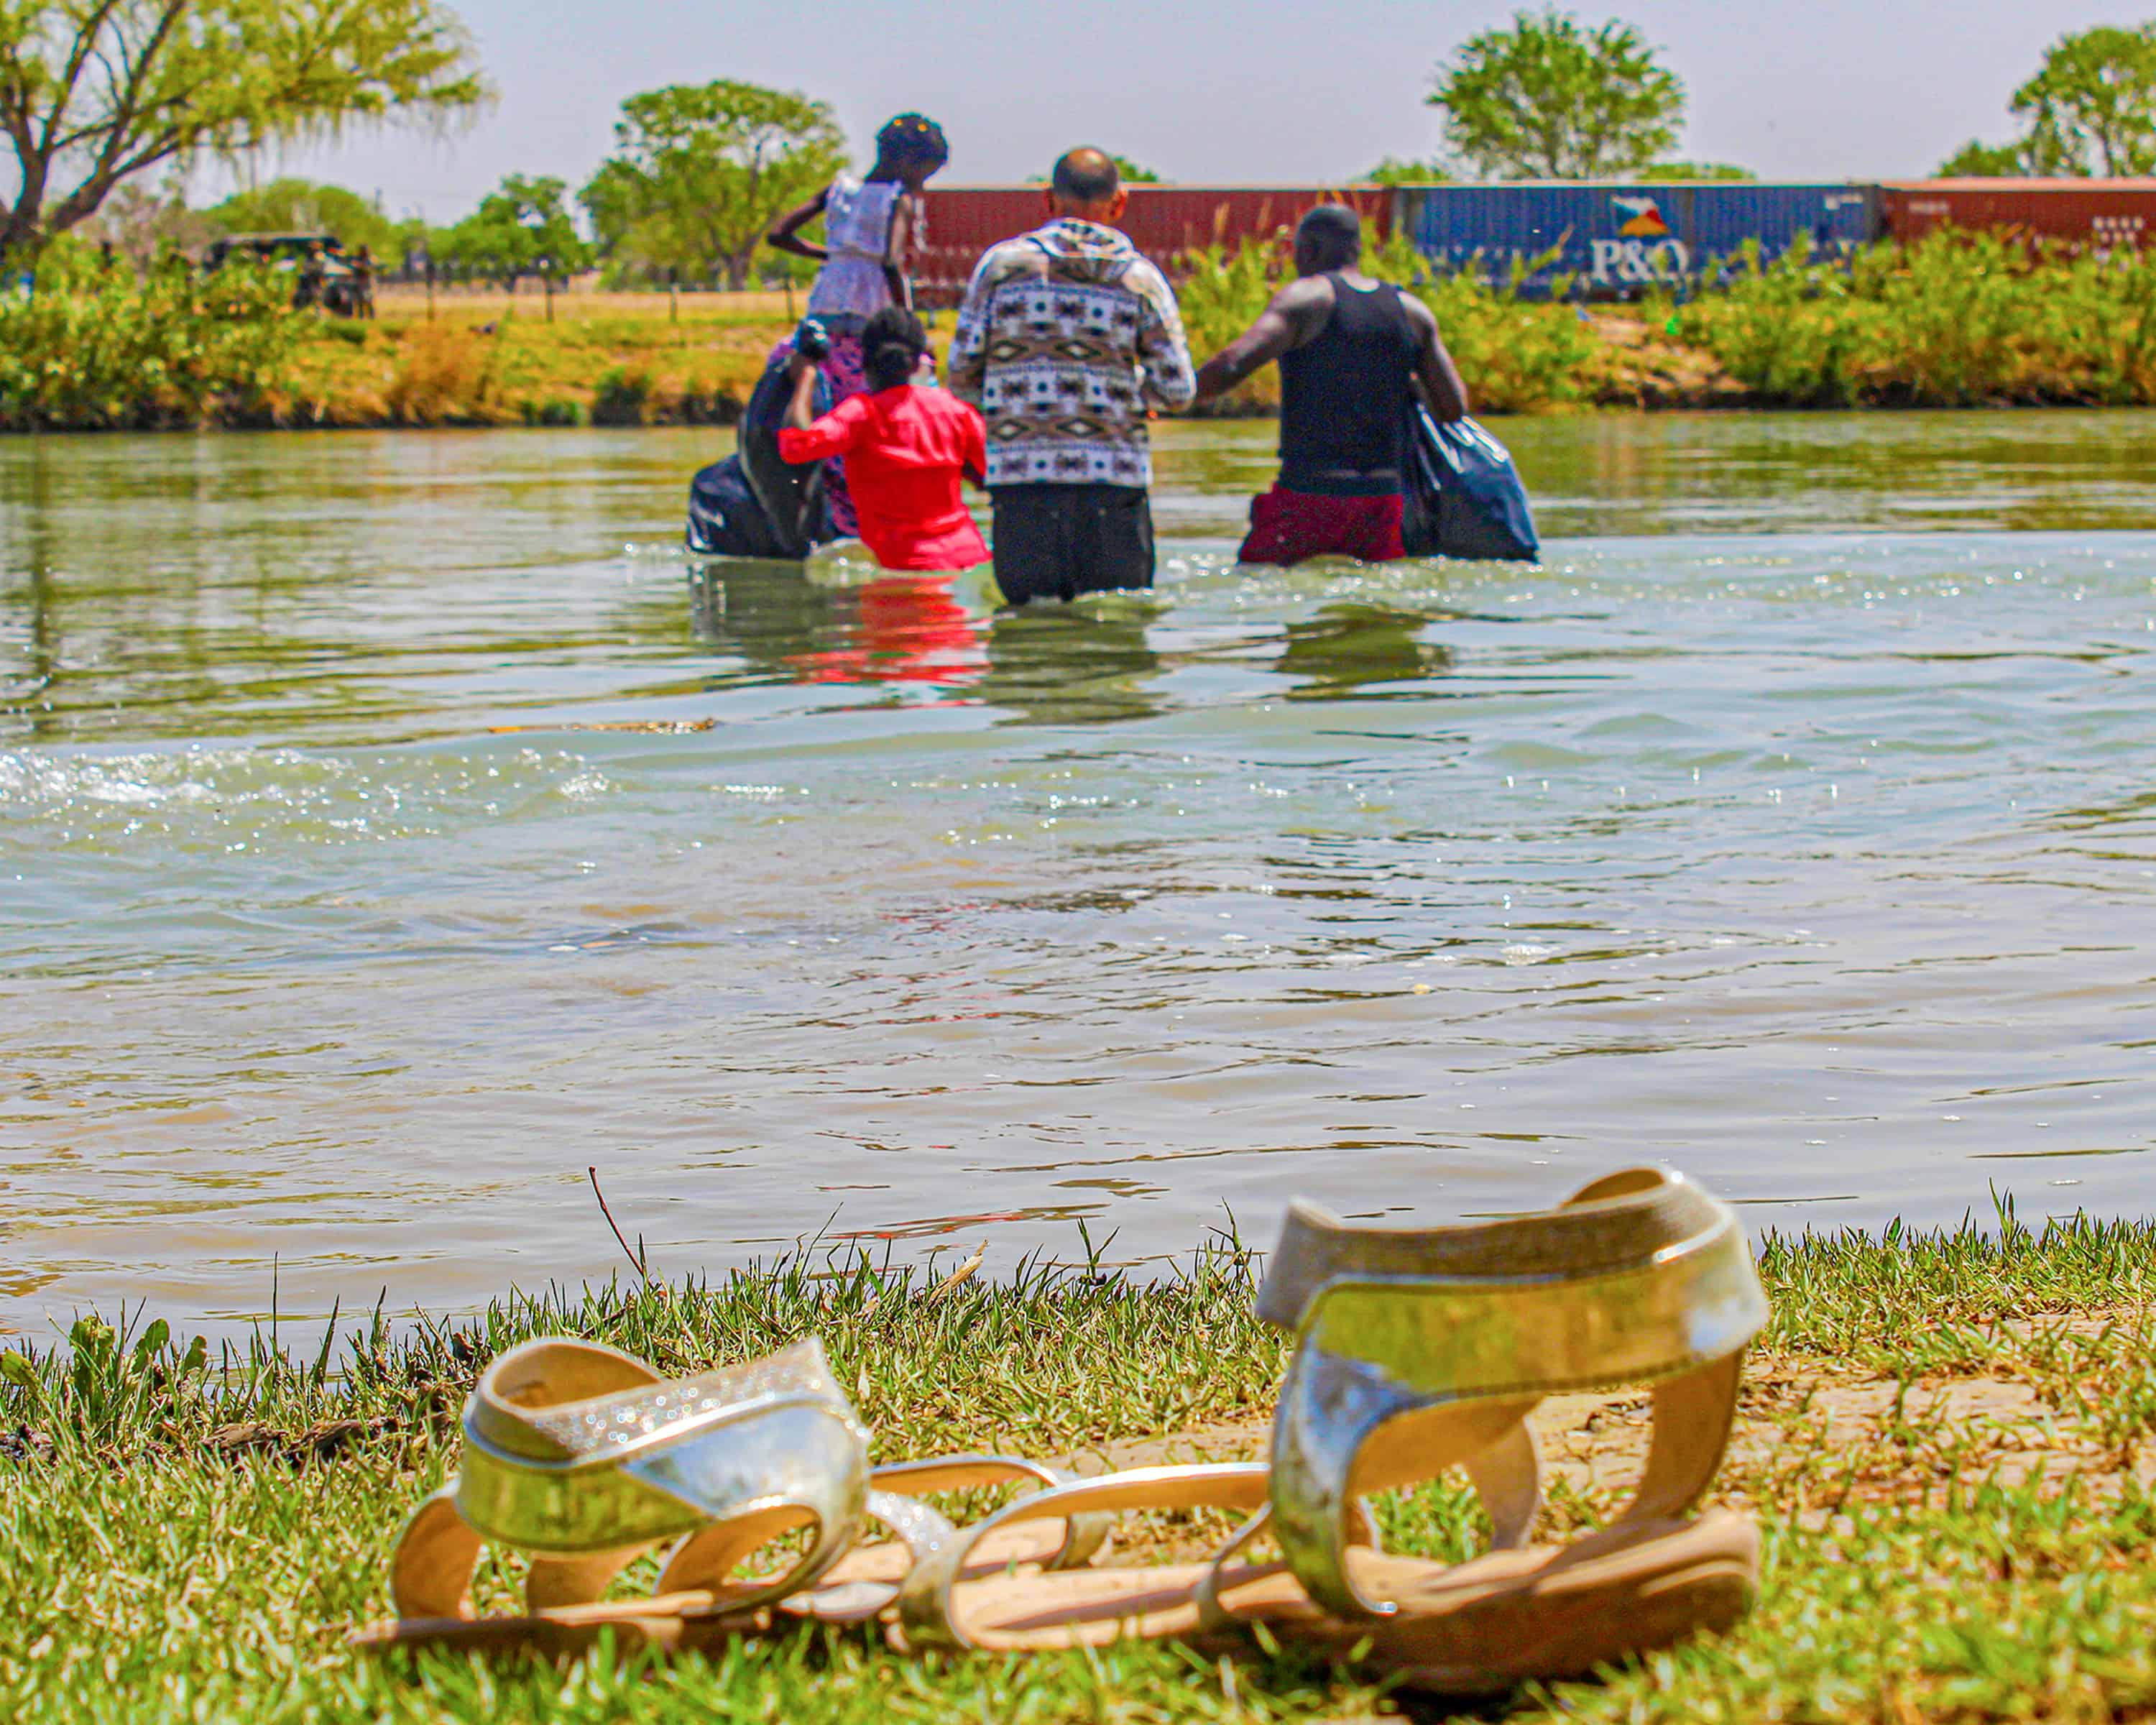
<point x="911" y="139"/>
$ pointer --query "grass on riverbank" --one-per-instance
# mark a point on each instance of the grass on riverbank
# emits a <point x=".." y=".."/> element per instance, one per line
<point x="1954" y="320"/>
<point x="1948" y="1439"/>
<point x="602" y="365"/>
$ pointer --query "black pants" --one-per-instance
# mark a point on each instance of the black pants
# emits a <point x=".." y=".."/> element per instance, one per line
<point x="1057" y="542"/>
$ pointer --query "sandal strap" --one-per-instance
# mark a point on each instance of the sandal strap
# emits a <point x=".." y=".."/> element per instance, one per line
<point x="1421" y="1350"/>
<point x="705" y="1560"/>
<point x="584" y="1456"/>
<point x="925" y="1600"/>
<point x="1085" y="1534"/>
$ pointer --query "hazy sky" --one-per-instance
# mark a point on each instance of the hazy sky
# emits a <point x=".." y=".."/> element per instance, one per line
<point x="1219" y="91"/>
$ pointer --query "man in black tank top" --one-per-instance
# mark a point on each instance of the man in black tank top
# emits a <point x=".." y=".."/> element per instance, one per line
<point x="1352" y="352"/>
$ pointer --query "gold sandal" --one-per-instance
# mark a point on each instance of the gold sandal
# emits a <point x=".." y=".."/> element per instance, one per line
<point x="585" y="1458"/>
<point x="1417" y="1350"/>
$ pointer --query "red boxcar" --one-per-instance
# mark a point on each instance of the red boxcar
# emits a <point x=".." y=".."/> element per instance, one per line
<point x="2101" y="212"/>
<point x="1164" y="222"/>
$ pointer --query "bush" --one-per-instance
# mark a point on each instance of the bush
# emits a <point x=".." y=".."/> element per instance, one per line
<point x="1519" y="355"/>
<point x="1955" y="319"/>
<point x="623" y="397"/>
<point x="92" y="347"/>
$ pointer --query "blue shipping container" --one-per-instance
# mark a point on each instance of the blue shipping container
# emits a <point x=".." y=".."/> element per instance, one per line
<point x="1619" y="239"/>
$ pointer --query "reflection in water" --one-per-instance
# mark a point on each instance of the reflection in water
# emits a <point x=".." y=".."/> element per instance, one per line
<point x="1349" y="647"/>
<point x="1084" y="663"/>
<point x="397" y="843"/>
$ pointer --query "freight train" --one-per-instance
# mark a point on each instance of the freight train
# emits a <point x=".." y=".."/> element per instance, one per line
<point x="1605" y="238"/>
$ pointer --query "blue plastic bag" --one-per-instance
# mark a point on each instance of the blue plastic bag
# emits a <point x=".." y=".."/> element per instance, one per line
<point x="1464" y="495"/>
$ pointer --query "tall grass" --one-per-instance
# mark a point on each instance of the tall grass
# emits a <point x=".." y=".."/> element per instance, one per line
<point x="1954" y="320"/>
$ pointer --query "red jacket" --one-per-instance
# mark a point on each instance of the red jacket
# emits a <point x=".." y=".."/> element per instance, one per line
<point x="906" y="450"/>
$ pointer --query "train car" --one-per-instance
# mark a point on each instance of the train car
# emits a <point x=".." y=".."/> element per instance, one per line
<point x="2105" y="212"/>
<point x="1166" y="222"/>
<point x="1612" y="239"/>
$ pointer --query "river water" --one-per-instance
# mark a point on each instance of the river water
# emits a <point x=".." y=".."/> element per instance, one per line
<point x="1796" y="823"/>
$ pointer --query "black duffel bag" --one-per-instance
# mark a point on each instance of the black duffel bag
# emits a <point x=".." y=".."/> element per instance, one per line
<point x="752" y="504"/>
<point x="1464" y="495"/>
<point x="725" y="518"/>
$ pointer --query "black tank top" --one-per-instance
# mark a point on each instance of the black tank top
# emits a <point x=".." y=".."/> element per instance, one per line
<point x="1344" y="397"/>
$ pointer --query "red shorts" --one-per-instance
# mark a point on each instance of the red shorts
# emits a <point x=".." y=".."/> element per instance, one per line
<point x="1288" y="526"/>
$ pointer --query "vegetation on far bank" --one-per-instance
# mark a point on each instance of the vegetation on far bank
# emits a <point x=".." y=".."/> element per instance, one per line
<point x="1947" y="1438"/>
<point x="1954" y="321"/>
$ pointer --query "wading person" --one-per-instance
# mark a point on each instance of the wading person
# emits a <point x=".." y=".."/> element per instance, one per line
<point x="1352" y="352"/>
<point x="869" y="227"/>
<point x="1066" y="336"/>
<point x="907" y="446"/>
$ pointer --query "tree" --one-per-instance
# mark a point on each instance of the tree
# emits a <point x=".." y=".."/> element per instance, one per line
<point x="1394" y="171"/>
<point x="701" y="171"/>
<point x="2093" y="101"/>
<point x="2089" y="109"/>
<point x="2034" y="155"/>
<point x="1548" y="99"/>
<point x="1977" y="160"/>
<point x="142" y="223"/>
<point x="293" y="206"/>
<point x="93" y="92"/>
<point x="524" y="228"/>
<point x="1129" y="172"/>
<point x="1727" y="170"/>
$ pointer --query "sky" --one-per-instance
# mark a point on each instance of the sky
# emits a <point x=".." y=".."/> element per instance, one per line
<point x="1220" y="92"/>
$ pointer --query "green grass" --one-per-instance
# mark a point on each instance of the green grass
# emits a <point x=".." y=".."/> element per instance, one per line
<point x="188" y="1531"/>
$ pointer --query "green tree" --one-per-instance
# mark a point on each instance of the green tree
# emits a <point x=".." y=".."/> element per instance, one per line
<point x="1393" y="170"/>
<point x="701" y="171"/>
<point x="1547" y="98"/>
<point x="524" y="228"/>
<point x="2037" y="154"/>
<point x="93" y="92"/>
<point x="294" y="206"/>
<point x="2092" y="103"/>
<point x="1694" y="171"/>
<point x="2089" y="109"/>
<point x="1132" y="173"/>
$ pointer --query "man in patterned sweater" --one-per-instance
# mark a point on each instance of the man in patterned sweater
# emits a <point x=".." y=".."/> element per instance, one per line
<point x="1065" y="337"/>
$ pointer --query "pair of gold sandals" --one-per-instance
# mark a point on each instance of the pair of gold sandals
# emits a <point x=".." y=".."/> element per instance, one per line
<point x="1416" y="1351"/>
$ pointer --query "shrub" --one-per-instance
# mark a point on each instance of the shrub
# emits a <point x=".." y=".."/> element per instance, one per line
<point x="1518" y="354"/>
<point x="623" y="397"/>
<point x="91" y="346"/>
<point x="1954" y="320"/>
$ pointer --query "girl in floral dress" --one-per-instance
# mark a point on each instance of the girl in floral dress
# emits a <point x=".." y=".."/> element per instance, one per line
<point x="870" y="227"/>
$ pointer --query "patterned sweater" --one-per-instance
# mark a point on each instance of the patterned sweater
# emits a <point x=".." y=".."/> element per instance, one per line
<point x="1066" y="335"/>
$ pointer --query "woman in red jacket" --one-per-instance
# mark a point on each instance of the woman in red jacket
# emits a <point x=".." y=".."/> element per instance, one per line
<point x="906" y="445"/>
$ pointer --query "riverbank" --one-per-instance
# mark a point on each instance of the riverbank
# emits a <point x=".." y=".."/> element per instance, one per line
<point x="1955" y="320"/>
<point x="1950" y="1441"/>
<point x="497" y="363"/>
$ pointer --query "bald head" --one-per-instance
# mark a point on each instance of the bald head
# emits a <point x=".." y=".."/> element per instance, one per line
<point x="1085" y="181"/>
<point x="1329" y="237"/>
